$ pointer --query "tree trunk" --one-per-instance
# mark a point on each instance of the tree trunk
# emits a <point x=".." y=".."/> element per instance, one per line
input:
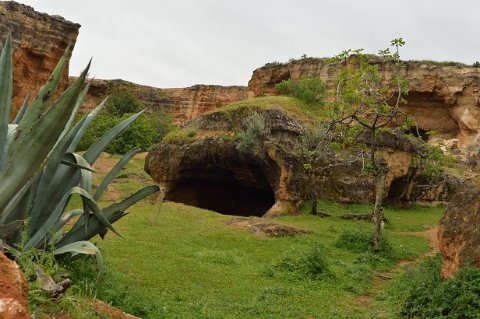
<point x="378" y="210"/>
<point x="314" y="210"/>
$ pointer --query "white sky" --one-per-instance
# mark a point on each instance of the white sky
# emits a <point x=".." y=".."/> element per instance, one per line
<point x="178" y="43"/>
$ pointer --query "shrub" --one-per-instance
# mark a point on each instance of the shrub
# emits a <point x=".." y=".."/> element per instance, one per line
<point x="143" y="133"/>
<point x="255" y="132"/>
<point x="121" y="101"/>
<point x="422" y="293"/>
<point x="360" y="241"/>
<point x="311" y="264"/>
<point x="309" y="90"/>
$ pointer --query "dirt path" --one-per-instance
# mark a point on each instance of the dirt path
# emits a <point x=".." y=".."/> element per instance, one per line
<point x="431" y="235"/>
<point x="381" y="278"/>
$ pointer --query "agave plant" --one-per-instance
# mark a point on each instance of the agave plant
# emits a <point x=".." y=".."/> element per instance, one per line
<point x="39" y="171"/>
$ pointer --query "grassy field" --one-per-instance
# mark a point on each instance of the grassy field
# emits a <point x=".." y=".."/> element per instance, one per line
<point x="190" y="264"/>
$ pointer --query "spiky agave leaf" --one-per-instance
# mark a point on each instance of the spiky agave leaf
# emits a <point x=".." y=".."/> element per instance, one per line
<point x="6" y="84"/>
<point x="113" y="213"/>
<point x="29" y="150"/>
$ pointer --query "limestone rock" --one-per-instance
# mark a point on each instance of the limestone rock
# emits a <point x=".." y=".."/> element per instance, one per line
<point x="210" y="172"/>
<point x="262" y="228"/>
<point x="182" y="104"/>
<point x="459" y="231"/>
<point x="13" y="291"/>
<point x="441" y="97"/>
<point x="39" y="41"/>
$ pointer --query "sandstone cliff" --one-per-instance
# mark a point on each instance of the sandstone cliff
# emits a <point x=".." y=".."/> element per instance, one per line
<point x="182" y="104"/>
<point x="459" y="232"/>
<point x="39" y="41"/>
<point x="444" y="98"/>
<point x="204" y="168"/>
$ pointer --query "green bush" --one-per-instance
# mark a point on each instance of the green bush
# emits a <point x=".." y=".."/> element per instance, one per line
<point x="311" y="264"/>
<point x="360" y="241"/>
<point x="422" y="293"/>
<point x="144" y="132"/>
<point x="121" y="101"/>
<point x="255" y="132"/>
<point x="309" y="90"/>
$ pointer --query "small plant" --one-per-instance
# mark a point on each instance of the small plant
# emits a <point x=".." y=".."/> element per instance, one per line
<point x="255" y="132"/>
<point x="422" y="293"/>
<point x="311" y="264"/>
<point x="476" y="64"/>
<point x="359" y="241"/>
<point x="307" y="89"/>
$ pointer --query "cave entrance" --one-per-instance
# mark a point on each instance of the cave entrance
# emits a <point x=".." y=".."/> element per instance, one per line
<point x="418" y="132"/>
<point x="221" y="191"/>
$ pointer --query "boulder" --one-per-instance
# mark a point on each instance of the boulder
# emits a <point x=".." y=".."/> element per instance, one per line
<point x="13" y="291"/>
<point x="459" y="231"/>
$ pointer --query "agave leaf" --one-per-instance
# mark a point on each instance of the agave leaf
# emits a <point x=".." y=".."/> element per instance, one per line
<point x="86" y="180"/>
<point x="113" y="212"/>
<point x="66" y="217"/>
<point x="83" y="247"/>
<point x="8" y="229"/>
<point x="83" y="126"/>
<point x="56" y="180"/>
<point x="94" y="228"/>
<point x="6" y="80"/>
<point x="114" y="171"/>
<point x="22" y="110"/>
<point x="47" y="91"/>
<point x="97" y="148"/>
<point x="38" y="237"/>
<point x="132" y="199"/>
<point x="75" y="165"/>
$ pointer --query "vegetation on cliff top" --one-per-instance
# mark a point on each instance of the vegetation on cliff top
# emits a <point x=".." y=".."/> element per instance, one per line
<point x="293" y="106"/>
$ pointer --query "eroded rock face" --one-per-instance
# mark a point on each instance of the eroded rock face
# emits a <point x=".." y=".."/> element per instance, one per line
<point x="210" y="172"/>
<point x="441" y="98"/>
<point x="39" y="41"/>
<point x="459" y="231"/>
<point x="182" y="104"/>
<point x="13" y="291"/>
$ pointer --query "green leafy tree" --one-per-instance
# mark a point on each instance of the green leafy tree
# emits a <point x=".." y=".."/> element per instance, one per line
<point x="367" y="103"/>
<point x="121" y="101"/>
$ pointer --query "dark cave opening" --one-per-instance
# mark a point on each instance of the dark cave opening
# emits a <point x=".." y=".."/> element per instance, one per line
<point x="418" y="132"/>
<point x="221" y="192"/>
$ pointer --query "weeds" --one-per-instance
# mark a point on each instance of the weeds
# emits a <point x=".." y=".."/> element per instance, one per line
<point x="359" y="241"/>
<point x="311" y="264"/>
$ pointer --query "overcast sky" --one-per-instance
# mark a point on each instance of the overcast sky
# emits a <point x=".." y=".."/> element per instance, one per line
<point x="178" y="43"/>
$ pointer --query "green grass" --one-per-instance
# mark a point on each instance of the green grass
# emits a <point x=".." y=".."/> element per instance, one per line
<point x="292" y="106"/>
<point x="192" y="265"/>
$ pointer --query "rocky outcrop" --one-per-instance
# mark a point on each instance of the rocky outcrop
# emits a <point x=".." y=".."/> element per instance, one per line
<point x="13" y="291"/>
<point x="459" y="231"/>
<point x="209" y="171"/>
<point x="444" y="98"/>
<point x="39" y="41"/>
<point x="182" y="104"/>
